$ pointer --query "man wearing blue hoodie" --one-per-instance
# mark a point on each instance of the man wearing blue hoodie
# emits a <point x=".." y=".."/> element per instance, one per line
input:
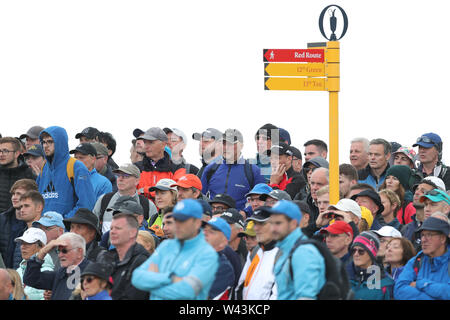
<point x="60" y="193"/>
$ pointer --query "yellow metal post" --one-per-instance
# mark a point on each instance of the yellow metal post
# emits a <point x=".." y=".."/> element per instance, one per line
<point x="332" y="58"/>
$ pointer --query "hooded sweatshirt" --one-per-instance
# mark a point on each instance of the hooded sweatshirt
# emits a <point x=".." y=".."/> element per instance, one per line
<point x="54" y="184"/>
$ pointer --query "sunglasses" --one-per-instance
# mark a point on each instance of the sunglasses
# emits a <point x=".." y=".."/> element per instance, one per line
<point x="88" y="279"/>
<point x="361" y="252"/>
<point x="64" y="250"/>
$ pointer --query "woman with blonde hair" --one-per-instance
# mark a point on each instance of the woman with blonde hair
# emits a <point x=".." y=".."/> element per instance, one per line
<point x="145" y="239"/>
<point x="16" y="281"/>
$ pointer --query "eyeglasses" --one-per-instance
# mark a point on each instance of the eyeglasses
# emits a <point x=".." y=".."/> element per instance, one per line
<point x="308" y="169"/>
<point x="48" y="142"/>
<point x="361" y="252"/>
<point x="428" y="236"/>
<point x="253" y="199"/>
<point x="44" y="228"/>
<point x="64" y="250"/>
<point x="332" y="235"/>
<point x="218" y="209"/>
<point x="6" y="151"/>
<point x="122" y="175"/>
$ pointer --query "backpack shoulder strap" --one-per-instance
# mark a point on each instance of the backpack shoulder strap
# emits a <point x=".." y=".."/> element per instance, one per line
<point x="104" y="204"/>
<point x="254" y="252"/>
<point x="144" y="203"/>
<point x="71" y="174"/>
<point x="249" y="173"/>
<point x="418" y="263"/>
<point x="70" y="169"/>
<point x="211" y="171"/>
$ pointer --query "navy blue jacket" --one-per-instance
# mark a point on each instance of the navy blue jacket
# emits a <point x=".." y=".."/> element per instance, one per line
<point x="230" y="179"/>
<point x="10" y="229"/>
<point x="225" y="277"/>
<point x="59" y="282"/>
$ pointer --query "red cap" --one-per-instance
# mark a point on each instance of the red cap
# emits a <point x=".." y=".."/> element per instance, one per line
<point x="338" y="227"/>
<point x="189" y="181"/>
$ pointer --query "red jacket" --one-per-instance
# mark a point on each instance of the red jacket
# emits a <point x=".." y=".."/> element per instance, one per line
<point x="152" y="173"/>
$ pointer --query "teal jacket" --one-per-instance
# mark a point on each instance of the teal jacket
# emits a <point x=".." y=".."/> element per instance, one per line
<point x="308" y="267"/>
<point x="194" y="260"/>
<point x="367" y="285"/>
<point x="33" y="293"/>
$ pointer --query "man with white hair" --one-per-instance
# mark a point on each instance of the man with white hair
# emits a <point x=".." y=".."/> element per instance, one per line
<point x="359" y="153"/>
<point x="71" y="252"/>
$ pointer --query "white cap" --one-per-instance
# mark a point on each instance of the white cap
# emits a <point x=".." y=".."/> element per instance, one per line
<point x="31" y="235"/>
<point x="388" y="231"/>
<point x="348" y="205"/>
<point x="437" y="181"/>
<point x="181" y="134"/>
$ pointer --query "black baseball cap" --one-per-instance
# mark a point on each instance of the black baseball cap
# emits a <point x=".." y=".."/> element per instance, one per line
<point x="232" y="216"/>
<point x="260" y="215"/>
<point x="89" y="132"/>
<point x="281" y="149"/>
<point x="224" y="199"/>
<point x="85" y="148"/>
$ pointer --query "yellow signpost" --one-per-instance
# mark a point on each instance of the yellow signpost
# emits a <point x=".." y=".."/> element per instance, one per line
<point x="287" y="69"/>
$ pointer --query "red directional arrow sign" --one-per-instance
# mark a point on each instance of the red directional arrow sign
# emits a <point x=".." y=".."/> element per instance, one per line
<point x="294" y="55"/>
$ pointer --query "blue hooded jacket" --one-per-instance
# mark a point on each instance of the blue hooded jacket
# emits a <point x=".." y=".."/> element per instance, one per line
<point x="54" y="184"/>
<point x="432" y="280"/>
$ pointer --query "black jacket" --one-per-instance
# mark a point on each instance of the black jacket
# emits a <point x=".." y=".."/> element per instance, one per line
<point x="8" y="176"/>
<point x="93" y="251"/>
<point x="122" y="271"/>
<point x="10" y="228"/>
<point x="59" y="282"/>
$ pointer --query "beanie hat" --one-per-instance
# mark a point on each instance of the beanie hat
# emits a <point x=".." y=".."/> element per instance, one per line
<point x="369" y="242"/>
<point x="402" y="173"/>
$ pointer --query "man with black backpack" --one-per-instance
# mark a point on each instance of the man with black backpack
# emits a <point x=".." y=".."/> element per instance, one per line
<point x="304" y="268"/>
<point x="128" y="176"/>
<point x="234" y="176"/>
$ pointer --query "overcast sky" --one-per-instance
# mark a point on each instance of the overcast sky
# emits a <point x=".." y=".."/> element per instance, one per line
<point x="120" y="65"/>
